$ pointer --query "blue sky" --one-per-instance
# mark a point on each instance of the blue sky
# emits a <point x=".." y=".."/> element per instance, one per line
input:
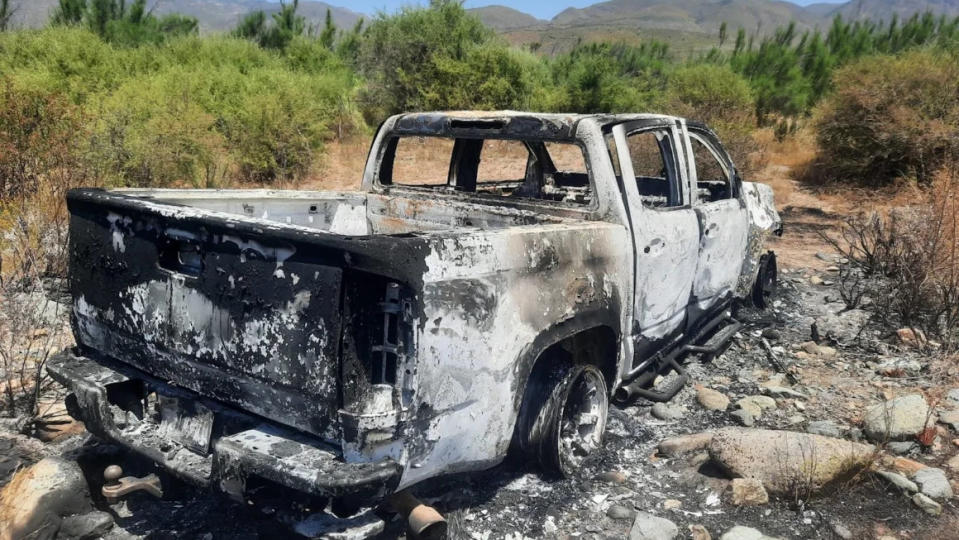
<point x="544" y="9"/>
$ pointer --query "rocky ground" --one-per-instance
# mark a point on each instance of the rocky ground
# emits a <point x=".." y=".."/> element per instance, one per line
<point x="858" y="384"/>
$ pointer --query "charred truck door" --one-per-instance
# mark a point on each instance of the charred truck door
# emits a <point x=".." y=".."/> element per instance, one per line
<point x="665" y="232"/>
<point x="723" y="219"/>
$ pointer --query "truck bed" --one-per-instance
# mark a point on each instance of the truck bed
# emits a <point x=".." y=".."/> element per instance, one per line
<point x="246" y="296"/>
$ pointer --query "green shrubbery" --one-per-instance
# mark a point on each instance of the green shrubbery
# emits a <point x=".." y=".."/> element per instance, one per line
<point x="193" y="111"/>
<point x="163" y="106"/>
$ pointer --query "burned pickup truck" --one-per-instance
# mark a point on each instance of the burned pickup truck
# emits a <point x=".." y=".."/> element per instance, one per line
<point x="499" y="279"/>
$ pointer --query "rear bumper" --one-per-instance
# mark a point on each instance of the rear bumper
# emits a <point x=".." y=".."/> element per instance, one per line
<point x="108" y="399"/>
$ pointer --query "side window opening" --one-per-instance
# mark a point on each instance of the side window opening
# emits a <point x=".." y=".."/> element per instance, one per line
<point x="419" y="161"/>
<point x="713" y="180"/>
<point x="519" y="169"/>
<point x="651" y="154"/>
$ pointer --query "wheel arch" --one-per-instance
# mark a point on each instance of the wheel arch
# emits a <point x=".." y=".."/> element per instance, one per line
<point x="596" y="329"/>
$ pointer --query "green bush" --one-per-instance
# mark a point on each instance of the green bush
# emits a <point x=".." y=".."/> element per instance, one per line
<point x="190" y="110"/>
<point x="605" y="77"/>
<point x="721" y="98"/>
<point x="437" y="58"/>
<point x="890" y="117"/>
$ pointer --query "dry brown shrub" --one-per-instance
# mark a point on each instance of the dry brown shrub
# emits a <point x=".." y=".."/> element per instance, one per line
<point x="909" y="259"/>
<point x="42" y="155"/>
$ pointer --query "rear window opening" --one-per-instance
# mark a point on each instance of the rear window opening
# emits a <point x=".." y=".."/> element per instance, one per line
<point x="516" y="169"/>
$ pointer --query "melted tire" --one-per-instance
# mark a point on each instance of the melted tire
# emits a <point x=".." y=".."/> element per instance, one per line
<point x="563" y="416"/>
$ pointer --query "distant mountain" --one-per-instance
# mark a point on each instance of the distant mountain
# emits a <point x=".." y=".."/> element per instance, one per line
<point x="505" y="18"/>
<point x="214" y="15"/>
<point x="690" y="25"/>
<point x="689" y="15"/>
<point x="884" y="9"/>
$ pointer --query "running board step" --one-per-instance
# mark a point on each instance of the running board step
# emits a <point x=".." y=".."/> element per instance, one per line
<point x="719" y="340"/>
<point x="668" y="391"/>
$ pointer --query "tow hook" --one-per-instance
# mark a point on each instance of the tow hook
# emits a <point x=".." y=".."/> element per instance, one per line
<point x="117" y="487"/>
<point x="425" y="523"/>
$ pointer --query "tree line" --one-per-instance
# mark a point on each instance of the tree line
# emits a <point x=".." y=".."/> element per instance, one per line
<point x="161" y="104"/>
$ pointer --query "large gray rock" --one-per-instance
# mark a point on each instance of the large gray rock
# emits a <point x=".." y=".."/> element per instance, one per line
<point x="740" y="532"/>
<point x="898" y="419"/>
<point x="785" y="461"/>
<point x="646" y="526"/>
<point x="933" y="483"/>
<point x="35" y="501"/>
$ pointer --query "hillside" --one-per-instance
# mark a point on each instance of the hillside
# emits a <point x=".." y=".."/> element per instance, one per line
<point x="214" y="15"/>
<point x="505" y="18"/>
<point x="692" y="25"/>
<point x="884" y="9"/>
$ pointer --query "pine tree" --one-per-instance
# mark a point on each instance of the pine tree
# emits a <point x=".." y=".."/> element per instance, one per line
<point x="6" y="14"/>
<point x="69" y="12"/>
<point x="328" y="35"/>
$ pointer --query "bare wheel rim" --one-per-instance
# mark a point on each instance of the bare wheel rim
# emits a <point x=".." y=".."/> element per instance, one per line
<point x="583" y="419"/>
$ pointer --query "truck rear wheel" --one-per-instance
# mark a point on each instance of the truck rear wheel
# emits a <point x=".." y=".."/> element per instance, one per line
<point x="564" y="416"/>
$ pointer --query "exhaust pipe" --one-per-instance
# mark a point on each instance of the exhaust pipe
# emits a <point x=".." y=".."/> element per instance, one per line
<point x="424" y="522"/>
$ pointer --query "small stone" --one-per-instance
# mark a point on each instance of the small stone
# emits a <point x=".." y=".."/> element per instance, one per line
<point x="933" y="483"/>
<point x="952" y="396"/>
<point x="951" y="419"/>
<point x="684" y="444"/>
<point x="744" y="533"/>
<point x="698" y="532"/>
<point x="815" y="280"/>
<point x="665" y="411"/>
<point x="646" y="526"/>
<point x="795" y="419"/>
<point x="749" y="492"/>
<point x="613" y="477"/>
<point x="826" y="428"/>
<point x="620" y="512"/>
<point x="953" y="464"/>
<point x="84" y="526"/>
<point x="841" y="530"/>
<point x="743" y="417"/>
<point x="772" y="334"/>
<point x="913" y="338"/>
<point x="549" y="527"/>
<point x="711" y="399"/>
<point x="927" y="505"/>
<point x="901" y="447"/>
<point x="898" y="367"/>
<point x="782" y="391"/>
<point x="902" y="465"/>
<point x="898" y="481"/>
<point x="672" y="504"/>
<point x="755" y="405"/>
